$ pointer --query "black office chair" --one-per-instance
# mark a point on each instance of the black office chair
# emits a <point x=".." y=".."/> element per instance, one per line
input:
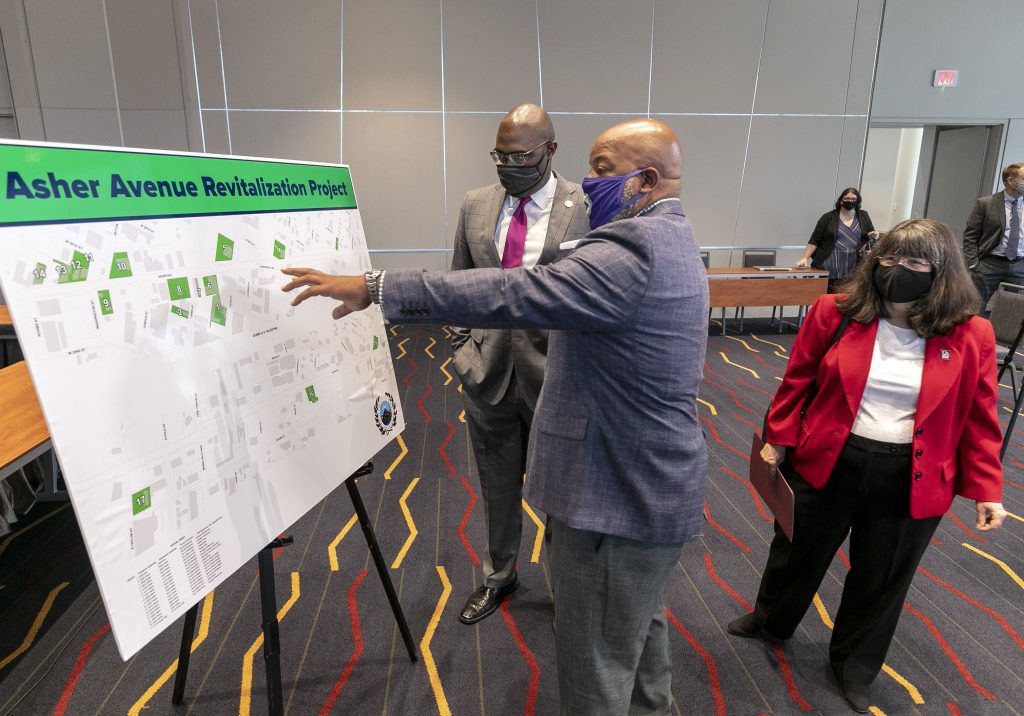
<point x="1007" y="320"/>
<point x="751" y="259"/>
<point x="705" y="256"/>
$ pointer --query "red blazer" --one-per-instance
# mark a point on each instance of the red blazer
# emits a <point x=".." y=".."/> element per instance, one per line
<point x="956" y="428"/>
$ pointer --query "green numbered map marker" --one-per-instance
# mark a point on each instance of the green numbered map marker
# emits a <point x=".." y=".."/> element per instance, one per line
<point x="106" y="308"/>
<point x="74" y="271"/>
<point x="225" y="248"/>
<point x="278" y="250"/>
<point x="210" y="285"/>
<point x="140" y="501"/>
<point x="39" y="274"/>
<point x="119" y="266"/>
<point x="178" y="288"/>
<point x="311" y="394"/>
<point x="218" y="314"/>
<point x="178" y="311"/>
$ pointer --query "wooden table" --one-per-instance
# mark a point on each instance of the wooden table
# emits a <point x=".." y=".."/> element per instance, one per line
<point x="23" y="433"/>
<point x="6" y="332"/>
<point x="742" y="287"/>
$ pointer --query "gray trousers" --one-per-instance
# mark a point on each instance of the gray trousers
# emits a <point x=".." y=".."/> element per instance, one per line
<point x="990" y="271"/>
<point x="499" y="436"/>
<point x="611" y="634"/>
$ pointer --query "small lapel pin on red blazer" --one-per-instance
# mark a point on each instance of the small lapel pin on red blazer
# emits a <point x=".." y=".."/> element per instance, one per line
<point x="944" y="355"/>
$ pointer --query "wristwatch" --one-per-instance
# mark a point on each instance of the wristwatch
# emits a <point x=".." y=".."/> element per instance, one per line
<point x="374" y="283"/>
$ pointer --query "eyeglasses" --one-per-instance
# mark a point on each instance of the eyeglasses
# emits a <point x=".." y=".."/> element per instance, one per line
<point x="911" y="262"/>
<point x="516" y="159"/>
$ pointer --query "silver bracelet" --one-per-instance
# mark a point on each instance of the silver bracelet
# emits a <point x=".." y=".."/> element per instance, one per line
<point x="374" y="284"/>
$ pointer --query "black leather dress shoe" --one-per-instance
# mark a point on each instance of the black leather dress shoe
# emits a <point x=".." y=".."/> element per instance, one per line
<point x="857" y="695"/>
<point x="485" y="600"/>
<point x="747" y="626"/>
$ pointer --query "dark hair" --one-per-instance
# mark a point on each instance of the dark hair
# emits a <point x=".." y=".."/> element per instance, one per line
<point x="950" y="301"/>
<point x="1012" y="170"/>
<point x="844" y="192"/>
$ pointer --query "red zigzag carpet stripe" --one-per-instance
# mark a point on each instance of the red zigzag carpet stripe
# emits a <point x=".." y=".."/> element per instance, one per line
<point x="531" y="662"/>
<point x="461" y="529"/>
<point x="76" y="670"/>
<point x="411" y="373"/>
<point x="787" y="676"/>
<point x="357" y="651"/>
<point x="753" y="493"/>
<point x="716" y="685"/>
<point x="967" y="530"/>
<point x="740" y="418"/>
<point x="729" y="535"/>
<point x="732" y="394"/>
<point x="709" y="565"/>
<point x="974" y="602"/>
<point x="443" y="450"/>
<point x="708" y="371"/>
<point x="426" y="394"/>
<point x="759" y="389"/>
<point x="727" y="446"/>
<point x="787" y="673"/>
<point x="937" y="635"/>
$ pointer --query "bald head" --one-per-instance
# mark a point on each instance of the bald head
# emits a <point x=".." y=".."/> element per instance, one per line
<point x="644" y="144"/>
<point x="525" y="131"/>
<point x="529" y="121"/>
<point x="647" y="142"/>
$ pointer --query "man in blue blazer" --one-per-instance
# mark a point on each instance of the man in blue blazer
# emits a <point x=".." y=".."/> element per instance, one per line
<point x="616" y="458"/>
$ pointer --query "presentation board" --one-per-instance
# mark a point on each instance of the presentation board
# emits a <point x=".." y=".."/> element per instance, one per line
<point x="196" y="415"/>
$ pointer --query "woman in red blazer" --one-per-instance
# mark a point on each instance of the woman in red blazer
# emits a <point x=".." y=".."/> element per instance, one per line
<point x="878" y="431"/>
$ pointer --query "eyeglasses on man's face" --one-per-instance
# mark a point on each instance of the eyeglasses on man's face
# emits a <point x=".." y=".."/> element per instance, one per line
<point x="516" y="159"/>
<point x="911" y="262"/>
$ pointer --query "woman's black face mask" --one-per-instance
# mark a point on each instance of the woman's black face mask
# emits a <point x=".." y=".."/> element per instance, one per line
<point x="901" y="285"/>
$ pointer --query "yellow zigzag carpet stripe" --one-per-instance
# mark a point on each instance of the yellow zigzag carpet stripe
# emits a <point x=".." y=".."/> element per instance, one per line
<point x="409" y="521"/>
<point x="428" y="658"/>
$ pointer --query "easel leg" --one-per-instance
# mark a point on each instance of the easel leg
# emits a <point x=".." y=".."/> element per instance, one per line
<point x="271" y="635"/>
<point x="378" y="559"/>
<point x="187" y="633"/>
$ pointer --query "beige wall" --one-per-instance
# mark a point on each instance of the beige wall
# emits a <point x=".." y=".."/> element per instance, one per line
<point x="770" y="97"/>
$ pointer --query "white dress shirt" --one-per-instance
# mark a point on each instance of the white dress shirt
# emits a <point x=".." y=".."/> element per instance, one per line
<point x="894" y="384"/>
<point x="538" y="211"/>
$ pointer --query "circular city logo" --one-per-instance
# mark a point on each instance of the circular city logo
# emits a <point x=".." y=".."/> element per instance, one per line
<point x="385" y="413"/>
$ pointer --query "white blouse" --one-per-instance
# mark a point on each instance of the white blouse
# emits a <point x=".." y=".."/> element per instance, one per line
<point x="894" y="383"/>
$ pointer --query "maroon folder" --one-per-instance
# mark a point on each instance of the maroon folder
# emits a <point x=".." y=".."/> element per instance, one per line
<point x="772" y="487"/>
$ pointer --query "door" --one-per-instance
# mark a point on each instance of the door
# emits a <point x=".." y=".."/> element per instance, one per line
<point x="962" y="169"/>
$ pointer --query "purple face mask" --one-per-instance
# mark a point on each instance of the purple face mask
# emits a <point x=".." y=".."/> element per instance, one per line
<point x="604" y="197"/>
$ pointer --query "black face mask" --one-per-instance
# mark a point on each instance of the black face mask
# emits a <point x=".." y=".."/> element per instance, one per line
<point x="849" y="205"/>
<point x="901" y="285"/>
<point x="519" y="180"/>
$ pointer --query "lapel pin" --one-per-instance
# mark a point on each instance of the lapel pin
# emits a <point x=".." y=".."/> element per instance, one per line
<point x="944" y="355"/>
<point x="568" y="203"/>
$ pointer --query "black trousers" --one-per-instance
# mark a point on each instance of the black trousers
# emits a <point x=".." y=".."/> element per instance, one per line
<point x="867" y="496"/>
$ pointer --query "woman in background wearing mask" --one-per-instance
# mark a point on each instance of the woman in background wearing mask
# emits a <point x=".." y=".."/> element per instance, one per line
<point x="876" y="432"/>
<point x="839" y="238"/>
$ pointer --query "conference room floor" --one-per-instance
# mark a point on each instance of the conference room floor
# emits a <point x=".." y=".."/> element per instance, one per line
<point x="959" y="648"/>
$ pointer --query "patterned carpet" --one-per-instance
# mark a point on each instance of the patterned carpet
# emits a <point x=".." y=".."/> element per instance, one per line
<point x="959" y="648"/>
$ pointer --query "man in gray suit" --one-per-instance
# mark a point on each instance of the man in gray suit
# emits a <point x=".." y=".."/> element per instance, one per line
<point x="616" y="458"/>
<point x="521" y="221"/>
<point x="992" y="240"/>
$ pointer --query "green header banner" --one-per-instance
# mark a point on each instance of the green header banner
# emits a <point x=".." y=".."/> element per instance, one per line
<point x="52" y="184"/>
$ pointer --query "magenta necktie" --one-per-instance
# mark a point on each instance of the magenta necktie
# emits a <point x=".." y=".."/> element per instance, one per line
<point x="515" y="240"/>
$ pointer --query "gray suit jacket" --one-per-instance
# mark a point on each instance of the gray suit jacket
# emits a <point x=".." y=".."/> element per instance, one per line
<point x="484" y="357"/>
<point x="985" y="227"/>
<point x="616" y="445"/>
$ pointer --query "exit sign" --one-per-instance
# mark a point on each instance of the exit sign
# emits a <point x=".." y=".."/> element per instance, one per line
<point x="945" y="78"/>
